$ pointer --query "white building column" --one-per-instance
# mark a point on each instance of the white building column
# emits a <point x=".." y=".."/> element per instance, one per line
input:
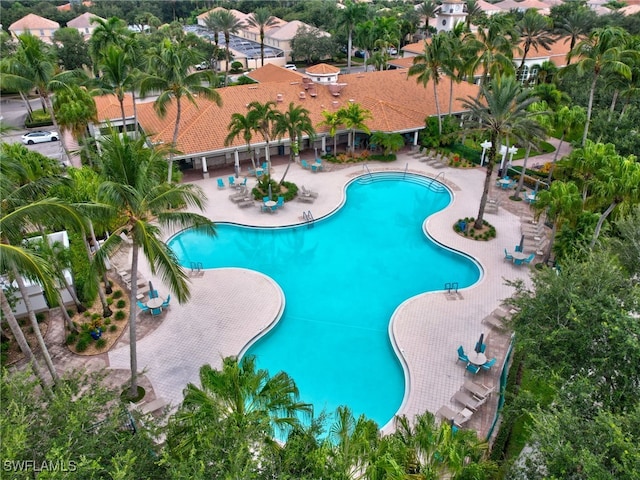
<point x="205" y="172"/>
<point x="324" y="144"/>
<point x="415" y="138"/>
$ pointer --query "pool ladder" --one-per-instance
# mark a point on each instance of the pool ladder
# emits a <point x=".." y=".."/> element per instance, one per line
<point x="449" y="286"/>
<point x="308" y="218"/>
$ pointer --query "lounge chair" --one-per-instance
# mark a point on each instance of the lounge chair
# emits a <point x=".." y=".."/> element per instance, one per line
<point x="245" y="203"/>
<point x="306" y="199"/>
<point x="507" y="255"/>
<point x="480" y="391"/>
<point x="305" y="164"/>
<point x="221" y="183"/>
<point x="530" y="258"/>
<point x="458" y="418"/>
<point x="308" y="193"/>
<point x="461" y="355"/>
<point x="472" y="368"/>
<point x="243" y="184"/>
<point x="487" y="366"/>
<point x="469" y="401"/>
<point x="232" y="181"/>
<point x="165" y="304"/>
<point x="280" y="202"/>
<point x="142" y="306"/>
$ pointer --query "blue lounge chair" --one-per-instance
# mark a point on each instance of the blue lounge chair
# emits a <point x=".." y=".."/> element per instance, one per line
<point x="507" y="255"/>
<point x="472" y="368"/>
<point x="165" y="304"/>
<point x="244" y="183"/>
<point x="280" y="202"/>
<point x="305" y="164"/>
<point x="530" y="258"/>
<point x="232" y="181"/>
<point x="156" y="311"/>
<point x="487" y="366"/>
<point x="221" y="183"/>
<point x="461" y="355"/>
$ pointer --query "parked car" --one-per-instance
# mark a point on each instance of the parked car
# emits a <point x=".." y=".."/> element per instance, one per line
<point x="290" y="66"/>
<point x="40" y="136"/>
<point x="359" y="53"/>
<point x="202" y="66"/>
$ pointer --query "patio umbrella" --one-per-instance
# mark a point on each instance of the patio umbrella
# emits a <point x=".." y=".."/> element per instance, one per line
<point x="521" y="242"/>
<point x="237" y="165"/>
<point x="478" y="348"/>
<point x="269" y="189"/>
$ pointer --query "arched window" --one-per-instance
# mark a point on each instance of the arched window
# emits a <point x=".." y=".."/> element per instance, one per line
<point x="523" y="75"/>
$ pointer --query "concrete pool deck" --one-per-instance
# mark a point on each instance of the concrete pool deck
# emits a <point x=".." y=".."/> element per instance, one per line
<point x="230" y="307"/>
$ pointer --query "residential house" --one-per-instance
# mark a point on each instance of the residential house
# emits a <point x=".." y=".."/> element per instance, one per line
<point x="41" y="27"/>
<point x="83" y="24"/>
<point x="397" y="103"/>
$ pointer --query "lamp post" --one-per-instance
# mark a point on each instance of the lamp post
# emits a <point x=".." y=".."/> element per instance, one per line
<point x="503" y="152"/>
<point x="512" y="150"/>
<point x="485" y="145"/>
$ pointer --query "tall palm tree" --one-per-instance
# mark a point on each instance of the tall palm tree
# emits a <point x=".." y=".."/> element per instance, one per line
<point x="34" y="66"/>
<point x="247" y="399"/>
<point x="562" y="203"/>
<point x="262" y="20"/>
<point x="228" y="24"/>
<point x="212" y="22"/>
<point x="583" y="164"/>
<point x="263" y="118"/>
<point x="171" y="76"/>
<point x="617" y="181"/>
<point x="454" y="66"/>
<point x="118" y="75"/>
<point x="534" y="31"/>
<point x="568" y="120"/>
<point x="332" y="120"/>
<point x="600" y="53"/>
<point x="240" y="125"/>
<point x="294" y="122"/>
<point x="493" y="47"/>
<point x="576" y="25"/>
<point x="349" y="17"/>
<point x="427" y="66"/>
<point x="428" y="9"/>
<point x="475" y="14"/>
<point x="543" y="118"/>
<point x="364" y="37"/>
<point x="142" y="204"/>
<point x="74" y="109"/>
<point x="501" y="113"/>
<point x="353" y="117"/>
<point x="112" y="31"/>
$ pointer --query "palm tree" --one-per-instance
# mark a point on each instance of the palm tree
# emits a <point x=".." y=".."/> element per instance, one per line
<point x="263" y="118"/>
<point x="118" y="76"/>
<point x="428" y="65"/>
<point x="75" y="108"/>
<point x="349" y="17"/>
<point x="576" y="25"/>
<point x="294" y="122"/>
<point x="569" y="120"/>
<point x="332" y="120"/>
<point x="142" y="204"/>
<point x="541" y="108"/>
<point x="562" y="203"/>
<point x="353" y="117"/>
<point x="241" y="125"/>
<point x="212" y="21"/>
<point x="600" y="53"/>
<point x="364" y="36"/>
<point x="502" y="113"/>
<point x="34" y="66"/>
<point x="534" y="31"/>
<point x="493" y="47"/>
<point x="246" y="398"/>
<point x="582" y="165"/>
<point x="617" y="181"/>
<point x="18" y="335"/>
<point x="454" y="66"/>
<point x="428" y="9"/>
<point x="171" y="66"/>
<point x="262" y="20"/>
<point x="475" y="14"/>
<point x="112" y="31"/>
<point x="228" y="24"/>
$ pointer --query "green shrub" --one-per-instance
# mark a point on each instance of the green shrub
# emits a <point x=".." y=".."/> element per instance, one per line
<point x="236" y="67"/>
<point x="106" y="321"/>
<point x="120" y="315"/>
<point x="244" y="80"/>
<point x="113" y="328"/>
<point x="85" y="327"/>
<point x="5" y="346"/>
<point x="22" y="322"/>
<point x="82" y="344"/>
<point x="40" y="317"/>
<point x="96" y="316"/>
<point x="38" y="118"/>
<point x="121" y="304"/>
<point x="101" y="343"/>
<point x="71" y="338"/>
<point x="117" y="294"/>
<point x="87" y="314"/>
<point x="71" y="313"/>
<point x="109" y="301"/>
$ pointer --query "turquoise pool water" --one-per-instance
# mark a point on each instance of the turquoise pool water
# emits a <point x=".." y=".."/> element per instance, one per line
<point x="342" y="279"/>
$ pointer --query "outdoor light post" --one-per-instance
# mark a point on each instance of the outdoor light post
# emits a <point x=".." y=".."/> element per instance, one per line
<point x="512" y="150"/>
<point x="486" y="144"/>
<point x="503" y="152"/>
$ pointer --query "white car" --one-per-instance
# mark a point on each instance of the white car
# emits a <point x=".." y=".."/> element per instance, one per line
<point x="290" y="66"/>
<point x="40" y="136"/>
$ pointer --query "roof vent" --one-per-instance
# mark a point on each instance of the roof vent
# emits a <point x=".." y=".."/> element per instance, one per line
<point x="312" y="91"/>
<point x="336" y="88"/>
<point x="334" y="103"/>
<point x="302" y="95"/>
<point x="294" y="83"/>
<point x="279" y="98"/>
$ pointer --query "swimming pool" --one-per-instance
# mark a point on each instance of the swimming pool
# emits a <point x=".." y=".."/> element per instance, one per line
<point x="342" y="279"/>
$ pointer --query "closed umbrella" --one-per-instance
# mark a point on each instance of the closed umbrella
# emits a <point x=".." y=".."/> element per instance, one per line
<point x="269" y="190"/>
<point x="478" y="348"/>
<point x="521" y="243"/>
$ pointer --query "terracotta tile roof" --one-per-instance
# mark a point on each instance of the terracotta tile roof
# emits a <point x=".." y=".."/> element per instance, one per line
<point x="236" y="13"/>
<point x="415" y="48"/>
<point x="108" y="107"/>
<point x="401" y="62"/>
<point x="83" y="21"/>
<point x="278" y="23"/>
<point x="289" y="30"/>
<point x="396" y="102"/>
<point x="274" y="73"/>
<point x="67" y="6"/>
<point x="488" y="7"/>
<point x="630" y="10"/>
<point x="323" y="68"/>
<point x="33" y="22"/>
